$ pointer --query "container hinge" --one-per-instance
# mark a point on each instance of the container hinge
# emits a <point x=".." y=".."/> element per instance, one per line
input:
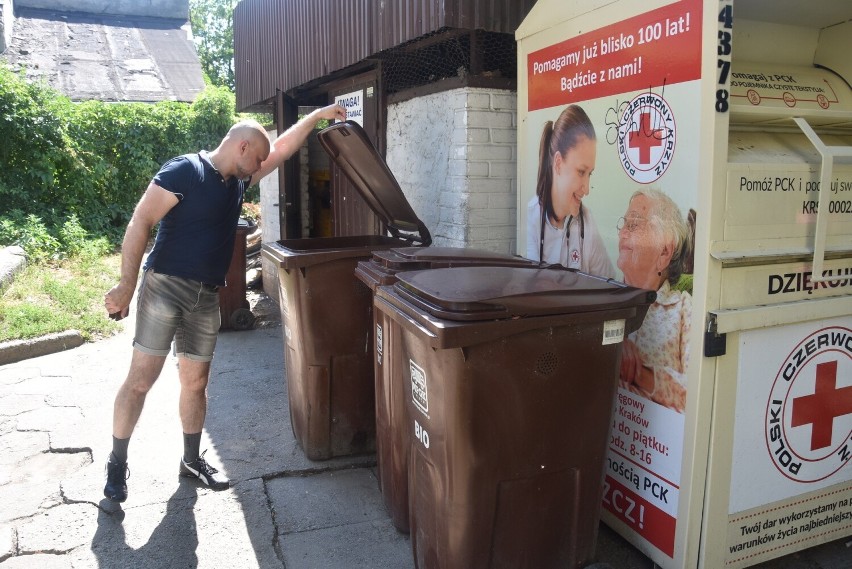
<point x="715" y="344"/>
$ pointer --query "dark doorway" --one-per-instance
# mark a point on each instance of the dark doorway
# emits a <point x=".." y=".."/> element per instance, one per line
<point x="317" y="198"/>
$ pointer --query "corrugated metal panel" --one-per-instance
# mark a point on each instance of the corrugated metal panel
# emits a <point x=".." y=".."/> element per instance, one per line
<point x="246" y="71"/>
<point x="282" y="44"/>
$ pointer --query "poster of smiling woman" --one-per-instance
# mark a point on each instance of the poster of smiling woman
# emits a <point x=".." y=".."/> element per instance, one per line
<point x="608" y="154"/>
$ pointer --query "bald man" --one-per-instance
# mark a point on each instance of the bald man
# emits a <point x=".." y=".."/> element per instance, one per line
<point x="196" y="199"/>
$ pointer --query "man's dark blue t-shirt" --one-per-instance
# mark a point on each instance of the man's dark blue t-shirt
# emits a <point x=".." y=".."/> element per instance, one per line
<point x="196" y="237"/>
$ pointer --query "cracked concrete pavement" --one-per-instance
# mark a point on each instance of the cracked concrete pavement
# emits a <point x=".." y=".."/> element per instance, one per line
<point x="55" y="436"/>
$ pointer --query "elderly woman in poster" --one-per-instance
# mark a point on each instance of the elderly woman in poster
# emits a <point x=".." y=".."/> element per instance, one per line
<point x="653" y="245"/>
<point x="560" y="229"/>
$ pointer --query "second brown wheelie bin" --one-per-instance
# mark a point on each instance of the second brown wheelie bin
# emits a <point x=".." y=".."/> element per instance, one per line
<point x="234" y="311"/>
<point x="392" y="440"/>
<point x="510" y="378"/>
<point x="327" y="312"/>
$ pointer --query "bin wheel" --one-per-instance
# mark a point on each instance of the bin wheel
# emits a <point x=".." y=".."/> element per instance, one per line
<point x="242" y="319"/>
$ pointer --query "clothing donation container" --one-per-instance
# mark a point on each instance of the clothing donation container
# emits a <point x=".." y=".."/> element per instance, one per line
<point x="327" y="312"/>
<point x="509" y="376"/>
<point x="392" y="439"/>
<point x="731" y="440"/>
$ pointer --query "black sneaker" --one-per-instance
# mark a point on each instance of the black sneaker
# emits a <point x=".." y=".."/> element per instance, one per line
<point x="117" y="474"/>
<point x="208" y="475"/>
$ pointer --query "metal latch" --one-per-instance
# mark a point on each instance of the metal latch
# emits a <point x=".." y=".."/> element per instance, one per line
<point x="715" y="344"/>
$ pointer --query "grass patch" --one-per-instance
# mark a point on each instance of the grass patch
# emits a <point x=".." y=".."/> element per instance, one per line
<point x="46" y="298"/>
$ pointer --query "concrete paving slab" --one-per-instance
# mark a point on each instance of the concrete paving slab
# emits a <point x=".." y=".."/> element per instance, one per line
<point x="261" y="527"/>
<point x="15" y="447"/>
<point x="13" y="404"/>
<point x="38" y="383"/>
<point x="36" y="483"/>
<point x="58" y="530"/>
<point x="248" y="419"/>
<point x="366" y="545"/>
<point x="330" y="499"/>
<point x="12" y="375"/>
<point x="51" y="419"/>
<point x="191" y="529"/>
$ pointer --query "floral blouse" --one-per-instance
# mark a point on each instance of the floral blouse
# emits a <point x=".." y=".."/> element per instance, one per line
<point x="663" y="342"/>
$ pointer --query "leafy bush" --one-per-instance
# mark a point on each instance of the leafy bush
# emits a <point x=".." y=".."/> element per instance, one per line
<point x="73" y="172"/>
<point x="30" y="232"/>
<point x="77" y="242"/>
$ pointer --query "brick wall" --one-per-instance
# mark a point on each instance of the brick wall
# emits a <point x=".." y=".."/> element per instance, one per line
<point x="454" y="156"/>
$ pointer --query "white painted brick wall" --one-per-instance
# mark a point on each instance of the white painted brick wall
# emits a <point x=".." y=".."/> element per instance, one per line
<point x="270" y="224"/>
<point x="454" y="156"/>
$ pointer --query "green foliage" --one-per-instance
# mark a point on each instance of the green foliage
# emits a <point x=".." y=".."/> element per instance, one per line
<point x="53" y="297"/>
<point x="212" y="114"/>
<point x="684" y="283"/>
<point x="29" y="232"/>
<point x="73" y="172"/>
<point x="212" y="24"/>
<point x="77" y="242"/>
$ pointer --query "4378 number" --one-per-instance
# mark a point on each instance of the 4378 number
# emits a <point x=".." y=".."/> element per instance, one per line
<point x="723" y="51"/>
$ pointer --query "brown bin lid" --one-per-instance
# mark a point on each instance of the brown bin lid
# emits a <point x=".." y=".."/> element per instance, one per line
<point x="298" y="253"/>
<point x="373" y="275"/>
<point x="350" y="148"/>
<point x="488" y="293"/>
<point x="412" y="258"/>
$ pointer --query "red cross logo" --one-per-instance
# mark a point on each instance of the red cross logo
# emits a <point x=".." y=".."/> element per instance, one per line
<point x="645" y="138"/>
<point x="826" y="404"/>
<point x="575" y="255"/>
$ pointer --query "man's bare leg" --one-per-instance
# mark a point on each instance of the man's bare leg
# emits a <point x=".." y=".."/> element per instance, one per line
<point x="129" y="401"/>
<point x="194" y="376"/>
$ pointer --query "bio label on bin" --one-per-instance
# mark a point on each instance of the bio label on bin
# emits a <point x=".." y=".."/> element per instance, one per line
<point x="419" y="393"/>
<point x="613" y="332"/>
<point x="379" y="344"/>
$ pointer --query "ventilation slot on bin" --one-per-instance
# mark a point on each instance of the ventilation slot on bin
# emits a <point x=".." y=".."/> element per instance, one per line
<point x="546" y="363"/>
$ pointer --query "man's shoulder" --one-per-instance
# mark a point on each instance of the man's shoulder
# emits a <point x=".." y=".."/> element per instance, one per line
<point x="184" y="161"/>
<point x="180" y="174"/>
<point x="185" y="165"/>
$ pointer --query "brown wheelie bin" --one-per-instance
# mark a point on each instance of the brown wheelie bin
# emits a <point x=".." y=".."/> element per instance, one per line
<point x="234" y="310"/>
<point x="392" y="440"/>
<point x="510" y="378"/>
<point x="327" y="312"/>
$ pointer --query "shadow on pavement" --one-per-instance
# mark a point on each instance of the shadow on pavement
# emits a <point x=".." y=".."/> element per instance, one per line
<point x="173" y="543"/>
